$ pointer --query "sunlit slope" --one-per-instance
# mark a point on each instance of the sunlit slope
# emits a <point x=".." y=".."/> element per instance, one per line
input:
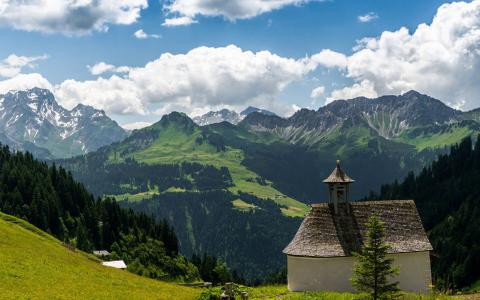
<point x="34" y="265"/>
<point x="178" y="139"/>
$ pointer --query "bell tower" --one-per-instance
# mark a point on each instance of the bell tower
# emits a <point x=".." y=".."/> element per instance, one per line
<point x="338" y="184"/>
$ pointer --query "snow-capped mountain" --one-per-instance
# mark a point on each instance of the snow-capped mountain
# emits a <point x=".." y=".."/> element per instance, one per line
<point x="32" y="120"/>
<point x="230" y="116"/>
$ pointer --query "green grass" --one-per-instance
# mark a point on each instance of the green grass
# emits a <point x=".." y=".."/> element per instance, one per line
<point x="242" y="205"/>
<point x="138" y="196"/>
<point x="176" y="146"/>
<point x="34" y="265"/>
<point x="448" y="137"/>
<point x="282" y="292"/>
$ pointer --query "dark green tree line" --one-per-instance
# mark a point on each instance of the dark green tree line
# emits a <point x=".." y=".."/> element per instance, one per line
<point x="49" y="198"/>
<point x="447" y="195"/>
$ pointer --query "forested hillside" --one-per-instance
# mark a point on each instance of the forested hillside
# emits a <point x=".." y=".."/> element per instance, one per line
<point x="49" y="198"/>
<point x="250" y="237"/>
<point x="447" y="195"/>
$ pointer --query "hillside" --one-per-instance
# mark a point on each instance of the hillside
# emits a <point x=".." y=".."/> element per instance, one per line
<point x="35" y="265"/>
<point x="174" y="140"/>
<point x="49" y="198"/>
<point x="195" y="177"/>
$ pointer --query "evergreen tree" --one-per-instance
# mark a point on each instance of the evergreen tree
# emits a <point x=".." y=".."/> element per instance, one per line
<point x="373" y="271"/>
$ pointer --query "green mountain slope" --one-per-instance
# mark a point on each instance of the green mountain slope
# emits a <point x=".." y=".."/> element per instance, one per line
<point x="34" y="265"/>
<point x="172" y="141"/>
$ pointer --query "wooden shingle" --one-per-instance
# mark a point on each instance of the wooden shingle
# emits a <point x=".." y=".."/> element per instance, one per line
<point x="324" y="233"/>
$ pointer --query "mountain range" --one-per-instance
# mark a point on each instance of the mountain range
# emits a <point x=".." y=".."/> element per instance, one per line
<point x="32" y="120"/>
<point x="249" y="183"/>
<point x="229" y="116"/>
<point x="401" y="118"/>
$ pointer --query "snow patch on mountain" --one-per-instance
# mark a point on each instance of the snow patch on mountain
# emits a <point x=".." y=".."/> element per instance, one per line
<point x="230" y="116"/>
<point x="34" y="116"/>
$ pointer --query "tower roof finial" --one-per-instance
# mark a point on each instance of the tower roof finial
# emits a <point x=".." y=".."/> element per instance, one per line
<point x="338" y="176"/>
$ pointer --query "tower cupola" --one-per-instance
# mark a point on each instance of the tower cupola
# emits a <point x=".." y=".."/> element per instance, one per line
<point x="338" y="186"/>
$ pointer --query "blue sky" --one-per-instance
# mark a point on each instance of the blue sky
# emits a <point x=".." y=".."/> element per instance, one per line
<point x="297" y="30"/>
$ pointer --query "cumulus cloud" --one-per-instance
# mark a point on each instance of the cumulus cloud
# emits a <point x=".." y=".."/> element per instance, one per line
<point x="13" y="64"/>
<point x="327" y="58"/>
<point x="115" y="95"/>
<point x="23" y="82"/>
<point x="69" y="16"/>
<point x="441" y="59"/>
<point x="102" y="67"/>
<point x="196" y="81"/>
<point x="187" y="10"/>
<point x="367" y="17"/>
<point x="193" y="82"/>
<point x="142" y="35"/>
<point x="362" y="89"/>
<point x="317" y="92"/>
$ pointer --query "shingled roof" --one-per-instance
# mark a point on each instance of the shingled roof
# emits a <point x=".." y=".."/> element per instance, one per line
<point x="326" y="234"/>
<point x="338" y="176"/>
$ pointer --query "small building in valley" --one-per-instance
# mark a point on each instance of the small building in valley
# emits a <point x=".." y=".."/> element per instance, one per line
<point x="117" y="264"/>
<point x="320" y="255"/>
<point x="101" y="253"/>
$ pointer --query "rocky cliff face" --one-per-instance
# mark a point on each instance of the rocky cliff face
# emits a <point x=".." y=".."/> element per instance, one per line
<point x="388" y="116"/>
<point x="32" y="120"/>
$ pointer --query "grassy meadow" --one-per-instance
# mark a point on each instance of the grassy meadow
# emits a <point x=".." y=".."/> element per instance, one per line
<point x="176" y="146"/>
<point x="34" y="265"/>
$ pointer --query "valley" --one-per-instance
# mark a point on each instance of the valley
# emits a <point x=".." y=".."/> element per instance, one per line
<point x="222" y="180"/>
<point x="227" y="189"/>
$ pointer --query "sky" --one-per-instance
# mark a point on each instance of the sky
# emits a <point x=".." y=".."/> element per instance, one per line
<point x="140" y="59"/>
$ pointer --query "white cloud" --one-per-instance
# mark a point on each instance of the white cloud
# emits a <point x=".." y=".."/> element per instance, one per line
<point x="179" y="21"/>
<point x="140" y="34"/>
<point x="102" y="67"/>
<point x="114" y="95"/>
<point x="317" y="92"/>
<point x="367" y="17"/>
<point x="231" y="10"/>
<point x="13" y="64"/>
<point x="136" y="125"/>
<point x="362" y="89"/>
<point x="193" y="82"/>
<point x="441" y="59"/>
<point x="69" y="16"/>
<point x="23" y="82"/>
<point x="204" y="77"/>
<point x="327" y="58"/>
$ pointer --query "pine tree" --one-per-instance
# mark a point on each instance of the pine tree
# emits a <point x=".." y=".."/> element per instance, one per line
<point x="373" y="271"/>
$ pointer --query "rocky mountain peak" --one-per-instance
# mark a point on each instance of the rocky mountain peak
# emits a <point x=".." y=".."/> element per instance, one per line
<point x="226" y="115"/>
<point x="35" y="118"/>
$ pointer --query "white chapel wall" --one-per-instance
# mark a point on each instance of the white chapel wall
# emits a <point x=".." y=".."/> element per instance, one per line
<point x="333" y="274"/>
